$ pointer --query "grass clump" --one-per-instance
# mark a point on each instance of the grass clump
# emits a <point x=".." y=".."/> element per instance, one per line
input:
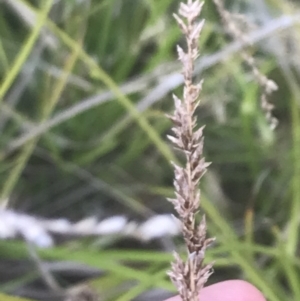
<point x="82" y="120"/>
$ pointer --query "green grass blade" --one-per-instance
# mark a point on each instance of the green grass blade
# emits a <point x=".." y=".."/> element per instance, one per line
<point x="26" y="49"/>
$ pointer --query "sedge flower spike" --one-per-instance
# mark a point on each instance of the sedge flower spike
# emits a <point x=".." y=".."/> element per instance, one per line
<point x="189" y="276"/>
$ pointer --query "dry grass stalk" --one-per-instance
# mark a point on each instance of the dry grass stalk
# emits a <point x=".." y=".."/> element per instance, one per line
<point x="189" y="276"/>
<point x="268" y="86"/>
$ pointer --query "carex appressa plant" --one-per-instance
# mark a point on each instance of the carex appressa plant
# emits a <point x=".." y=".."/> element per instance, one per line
<point x="189" y="276"/>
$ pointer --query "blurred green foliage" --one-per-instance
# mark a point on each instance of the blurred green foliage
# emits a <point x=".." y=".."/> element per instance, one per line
<point x="84" y="89"/>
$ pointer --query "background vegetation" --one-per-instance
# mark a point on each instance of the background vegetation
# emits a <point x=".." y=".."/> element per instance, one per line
<point x="84" y="89"/>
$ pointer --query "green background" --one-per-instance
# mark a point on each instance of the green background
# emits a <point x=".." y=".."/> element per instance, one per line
<point x="84" y="88"/>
